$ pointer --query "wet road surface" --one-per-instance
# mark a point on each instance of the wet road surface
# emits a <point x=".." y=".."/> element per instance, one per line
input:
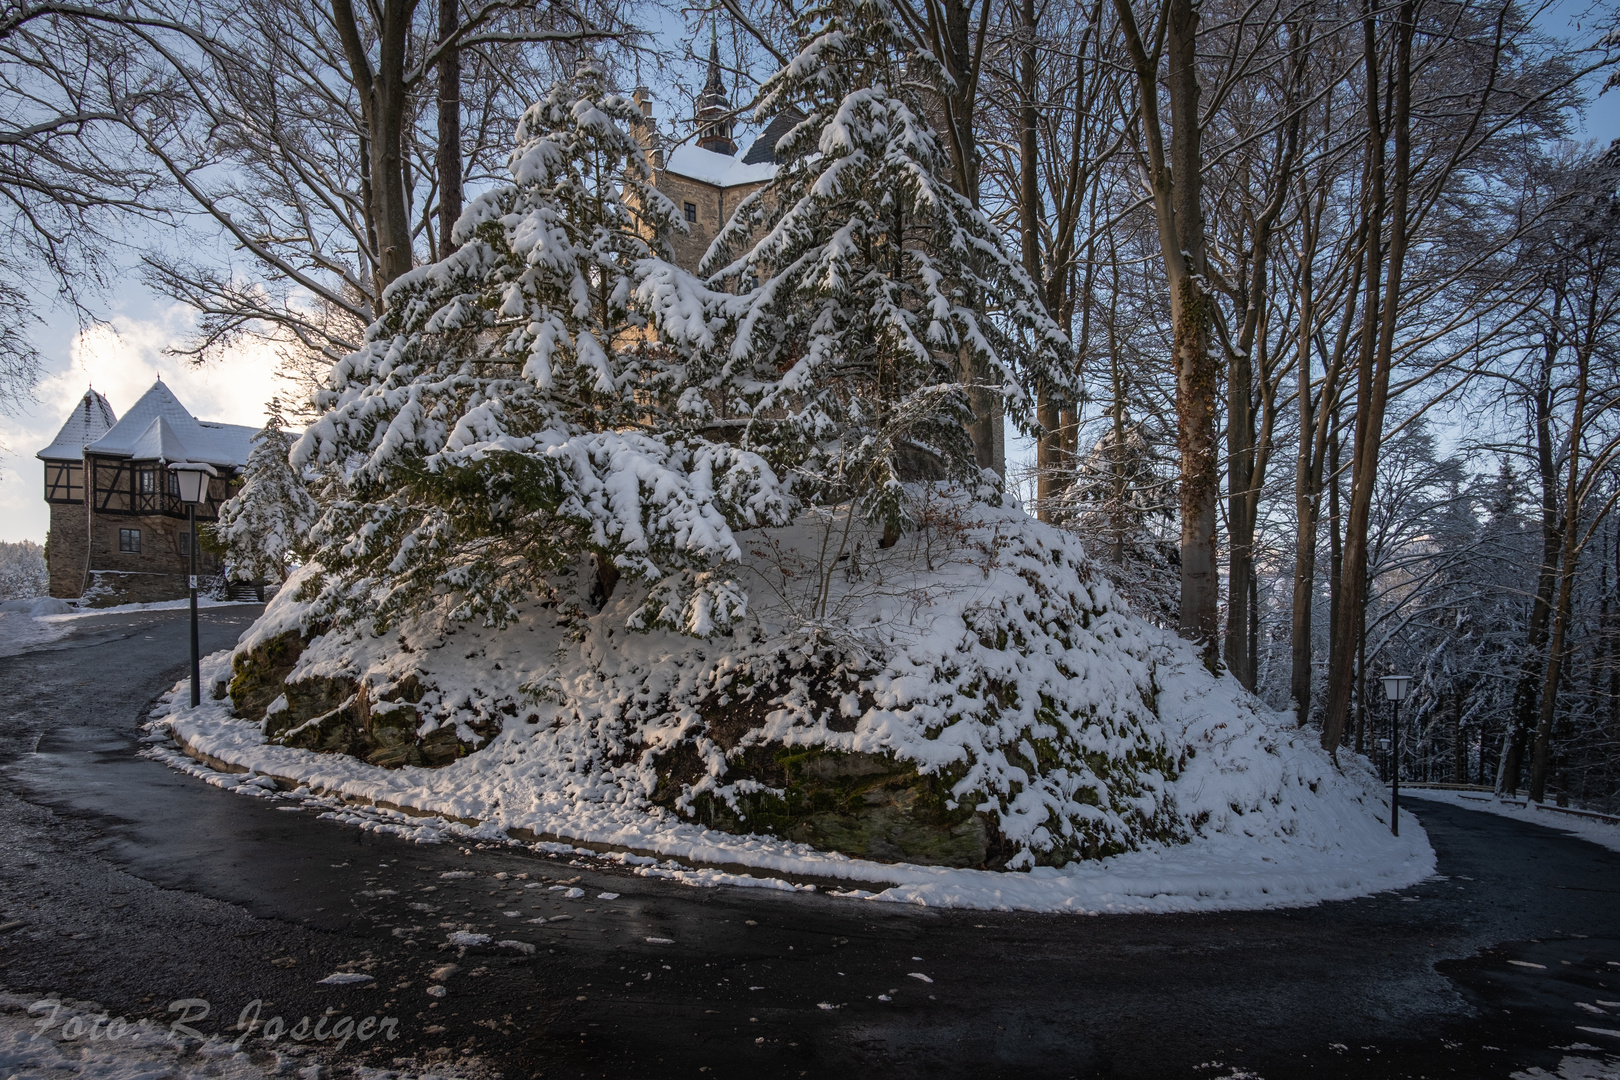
<point x="127" y="884"/>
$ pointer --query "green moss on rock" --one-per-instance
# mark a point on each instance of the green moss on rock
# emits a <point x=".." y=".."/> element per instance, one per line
<point x="258" y="675"/>
<point x="336" y="715"/>
<point x="870" y="806"/>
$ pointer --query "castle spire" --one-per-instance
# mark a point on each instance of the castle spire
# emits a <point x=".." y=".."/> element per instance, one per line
<point x="713" y="108"/>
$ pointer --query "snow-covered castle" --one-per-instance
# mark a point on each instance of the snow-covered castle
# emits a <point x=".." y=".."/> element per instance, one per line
<point x="119" y="531"/>
<point x="707" y="179"/>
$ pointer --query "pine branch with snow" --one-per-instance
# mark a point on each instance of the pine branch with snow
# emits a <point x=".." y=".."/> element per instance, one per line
<point x="517" y="409"/>
<point x="866" y="286"/>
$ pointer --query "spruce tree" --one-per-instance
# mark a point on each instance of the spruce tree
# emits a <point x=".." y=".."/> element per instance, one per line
<point x="866" y="285"/>
<point x="515" y="416"/>
<point x="265" y="524"/>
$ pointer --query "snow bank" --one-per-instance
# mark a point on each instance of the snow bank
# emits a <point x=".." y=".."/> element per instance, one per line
<point x="20" y="632"/>
<point x="1104" y="768"/>
<point x="124" y="609"/>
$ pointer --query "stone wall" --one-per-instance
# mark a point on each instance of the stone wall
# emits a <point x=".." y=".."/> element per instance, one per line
<point x="160" y="546"/>
<point x="66" y="549"/>
<point x="109" y="588"/>
<point x="714" y="207"/>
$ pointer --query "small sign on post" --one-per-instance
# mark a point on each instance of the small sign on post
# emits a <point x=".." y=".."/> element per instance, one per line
<point x="193" y="581"/>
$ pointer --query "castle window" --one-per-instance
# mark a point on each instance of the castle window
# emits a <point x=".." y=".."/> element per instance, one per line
<point x="129" y="540"/>
<point x="146" y="480"/>
<point x="691" y="211"/>
<point x="174" y="483"/>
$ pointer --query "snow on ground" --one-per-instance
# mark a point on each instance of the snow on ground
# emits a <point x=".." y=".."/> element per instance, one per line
<point x="1342" y="852"/>
<point x="20" y="632"/>
<point x="159" y="605"/>
<point x="1603" y="833"/>
<point x="956" y="657"/>
<point x="1577" y="1067"/>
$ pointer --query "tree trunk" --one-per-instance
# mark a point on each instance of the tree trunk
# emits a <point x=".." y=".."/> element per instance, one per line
<point x="383" y="105"/>
<point x="1318" y="438"/>
<point x="1176" y="180"/>
<point x="1361" y="682"/>
<point x="1530" y="671"/>
<point x="1370" y="404"/>
<point x="1459" y="737"/>
<point x="1047" y="446"/>
<point x="1335" y="540"/>
<point x="1239" y="523"/>
<point x="448" y="161"/>
<point x="1307" y="501"/>
<point x="1247" y="450"/>
<point x="960" y="44"/>
<point x="1566" y="588"/>
<point x="1197" y="374"/>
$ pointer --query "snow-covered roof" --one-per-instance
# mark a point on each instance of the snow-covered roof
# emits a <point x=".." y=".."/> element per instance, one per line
<point x="717" y="169"/>
<point x="90" y="419"/>
<point x="762" y="151"/>
<point x="158" y="427"/>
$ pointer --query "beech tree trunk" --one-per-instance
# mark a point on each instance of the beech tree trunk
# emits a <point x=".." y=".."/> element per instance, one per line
<point x="1570" y="527"/>
<point x="1317" y="420"/>
<point x="1047" y="447"/>
<point x="1373" y="385"/>
<point x="383" y="104"/>
<point x="1525" y="711"/>
<point x="1197" y="372"/>
<point x="959" y="43"/>
<point x="448" y="159"/>
<point x="1176" y="182"/>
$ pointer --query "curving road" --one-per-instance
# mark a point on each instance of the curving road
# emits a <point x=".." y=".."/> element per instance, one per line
<point x="129" y="885"/>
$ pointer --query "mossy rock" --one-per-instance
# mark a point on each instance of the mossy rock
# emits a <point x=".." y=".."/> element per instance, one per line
<point x="870" y="806"/>
<point x="258" y="675"/>
<point x="334" y="732"/>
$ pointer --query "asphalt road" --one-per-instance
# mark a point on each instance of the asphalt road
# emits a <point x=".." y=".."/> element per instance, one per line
<point x="130" y="885"/>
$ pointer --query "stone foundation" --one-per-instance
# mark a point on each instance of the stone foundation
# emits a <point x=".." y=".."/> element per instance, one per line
<point x="66" y="550"/>
<point x="109" y="588"/>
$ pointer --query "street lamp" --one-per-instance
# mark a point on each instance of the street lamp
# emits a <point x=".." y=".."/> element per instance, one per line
<point x="1396" y="688"/>
<point x="192" y="479"/>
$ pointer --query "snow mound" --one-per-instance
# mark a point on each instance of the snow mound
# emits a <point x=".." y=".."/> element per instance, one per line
<point x="972" y="699"/>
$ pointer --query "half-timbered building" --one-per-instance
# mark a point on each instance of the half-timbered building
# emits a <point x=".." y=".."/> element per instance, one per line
<point x="119" y="532"/>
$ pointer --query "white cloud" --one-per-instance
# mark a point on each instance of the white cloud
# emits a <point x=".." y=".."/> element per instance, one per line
<point x="121" y="361"/>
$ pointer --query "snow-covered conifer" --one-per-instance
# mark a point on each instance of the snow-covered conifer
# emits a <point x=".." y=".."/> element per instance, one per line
<point x="266" y="523"/>
<point x="866" y="285"/>
<point x="515" y="409"/>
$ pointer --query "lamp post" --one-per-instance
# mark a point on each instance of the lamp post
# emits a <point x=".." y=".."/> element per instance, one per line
<point x="1396" y="688"/>
<point x="192" y="480"/>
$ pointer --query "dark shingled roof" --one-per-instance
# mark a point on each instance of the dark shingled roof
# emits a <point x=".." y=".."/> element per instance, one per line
<point x="763" y="152"/>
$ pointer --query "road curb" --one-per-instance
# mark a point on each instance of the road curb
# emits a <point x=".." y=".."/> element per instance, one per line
<point x="529" y="836"/>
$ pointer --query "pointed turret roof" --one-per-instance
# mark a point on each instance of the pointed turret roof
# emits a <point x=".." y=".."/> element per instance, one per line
<point x="713" y="107"/>
<point x="90" y="419"/>
<point x="715" y="88"/>
<point x="159" y="442"/>
<point x="158" y="428"/>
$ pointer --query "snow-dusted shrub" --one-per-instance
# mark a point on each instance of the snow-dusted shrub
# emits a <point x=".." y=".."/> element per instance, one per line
<point x="515" y="408"/>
